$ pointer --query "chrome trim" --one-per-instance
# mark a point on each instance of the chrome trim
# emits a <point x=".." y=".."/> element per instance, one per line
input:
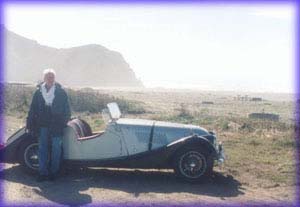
<point x="221" y="155"/>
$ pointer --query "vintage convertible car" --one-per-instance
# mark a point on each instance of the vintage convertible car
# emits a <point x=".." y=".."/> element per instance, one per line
<point x="126" y="143"/>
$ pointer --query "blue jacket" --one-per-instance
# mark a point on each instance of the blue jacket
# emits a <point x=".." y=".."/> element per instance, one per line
<point x="60" y="111"/>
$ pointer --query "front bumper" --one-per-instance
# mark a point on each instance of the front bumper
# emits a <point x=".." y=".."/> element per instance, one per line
<point x="220" y="155"/>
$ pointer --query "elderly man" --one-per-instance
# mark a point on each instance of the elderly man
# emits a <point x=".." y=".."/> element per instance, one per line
<point x="48" y="116"/>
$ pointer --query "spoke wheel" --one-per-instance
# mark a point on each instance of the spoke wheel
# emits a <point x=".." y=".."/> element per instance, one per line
<point x="192" y="164"/>
<point x="28" y="155"/>
<point x="31" y="156"/>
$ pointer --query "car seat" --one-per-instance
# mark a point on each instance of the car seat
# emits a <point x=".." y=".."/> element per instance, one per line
<point x="81" y="127"/>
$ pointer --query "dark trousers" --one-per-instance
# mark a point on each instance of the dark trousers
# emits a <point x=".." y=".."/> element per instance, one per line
<point x="46" y="168"/>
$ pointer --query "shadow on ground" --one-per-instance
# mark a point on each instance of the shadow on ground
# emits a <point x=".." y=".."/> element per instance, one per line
<point x="66" y="189"/>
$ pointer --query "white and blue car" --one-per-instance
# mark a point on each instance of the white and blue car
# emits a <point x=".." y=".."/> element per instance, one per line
<point x="126" y="143"/>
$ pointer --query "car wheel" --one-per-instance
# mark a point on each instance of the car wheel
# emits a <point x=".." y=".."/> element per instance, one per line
<point x="193" y="164"/>
<point x="28" y="156"/>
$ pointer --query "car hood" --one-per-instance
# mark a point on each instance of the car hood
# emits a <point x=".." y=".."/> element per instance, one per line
<point x="188" y="128"/>
<point x="178" y="125"/>
<point x="163" y="133"/>
<point x="135" y="122"/>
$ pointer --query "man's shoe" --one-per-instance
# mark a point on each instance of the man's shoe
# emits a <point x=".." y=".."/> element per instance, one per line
<point x="41" y="178"/>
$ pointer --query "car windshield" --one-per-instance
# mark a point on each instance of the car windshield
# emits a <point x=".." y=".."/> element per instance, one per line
<point x="111" y="113"/>
<point x="114" y="111"/>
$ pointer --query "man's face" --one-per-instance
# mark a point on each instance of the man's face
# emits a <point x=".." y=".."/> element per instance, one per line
<point x="49" y="79"/>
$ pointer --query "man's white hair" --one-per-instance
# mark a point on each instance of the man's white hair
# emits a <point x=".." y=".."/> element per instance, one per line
<point x="49" y="70"/>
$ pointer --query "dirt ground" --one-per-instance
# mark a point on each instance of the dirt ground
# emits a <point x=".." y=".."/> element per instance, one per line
<point x="97" y="185"/>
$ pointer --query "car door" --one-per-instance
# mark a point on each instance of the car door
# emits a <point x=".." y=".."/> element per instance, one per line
<point x="136" y="134"/>
<point x="105" y="146"/>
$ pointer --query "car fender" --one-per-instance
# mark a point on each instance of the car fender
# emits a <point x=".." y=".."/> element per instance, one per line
<point x="9" y="154"/>
<point x="194" y="141"/>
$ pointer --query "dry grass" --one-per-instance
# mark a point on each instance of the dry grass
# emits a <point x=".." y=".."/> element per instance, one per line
<point x="260" y="153"/>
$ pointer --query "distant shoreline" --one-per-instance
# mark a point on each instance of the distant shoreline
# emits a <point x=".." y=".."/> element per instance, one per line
<point x="164" y="89"/>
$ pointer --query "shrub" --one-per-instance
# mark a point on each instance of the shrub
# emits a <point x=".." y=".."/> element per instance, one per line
<point x="18" y="99"/>
<point x="225" y="125"/>
<point x="184" y="113"/>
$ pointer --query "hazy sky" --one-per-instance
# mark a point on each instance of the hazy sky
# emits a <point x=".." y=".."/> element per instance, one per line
<point x="215" y="47"/>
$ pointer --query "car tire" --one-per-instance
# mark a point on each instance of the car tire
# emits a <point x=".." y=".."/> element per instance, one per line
<point x="28" y="155"/>
<point x="193" y="164"/>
